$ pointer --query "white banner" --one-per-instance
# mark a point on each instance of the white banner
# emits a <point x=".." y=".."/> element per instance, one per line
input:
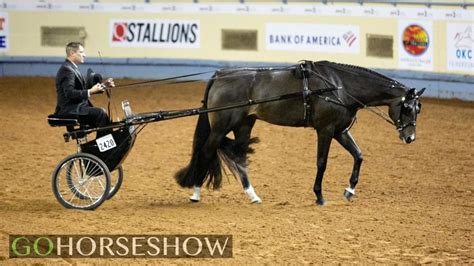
<point x="460" y="44"/>
<point x="4" y="32"/>
<point x="317" y="9"/>
<point x="325" y="38"/>
<point x="154" y="33"/>
<point x="415" y="45"/>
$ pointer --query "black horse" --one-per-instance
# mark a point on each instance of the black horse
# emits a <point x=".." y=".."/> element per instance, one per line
<point x="328" y="98"/>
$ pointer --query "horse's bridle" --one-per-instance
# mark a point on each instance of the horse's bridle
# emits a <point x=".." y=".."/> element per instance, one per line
<point x="405" y="107"/>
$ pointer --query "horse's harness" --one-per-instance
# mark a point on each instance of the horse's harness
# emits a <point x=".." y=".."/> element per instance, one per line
<point x="304" y="71"/>
<point x="406" y="107"/>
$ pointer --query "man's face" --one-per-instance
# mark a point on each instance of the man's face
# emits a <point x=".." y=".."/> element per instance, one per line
<point x="78" y="56"/>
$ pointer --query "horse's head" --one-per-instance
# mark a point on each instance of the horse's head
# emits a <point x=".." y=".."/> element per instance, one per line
<point x="404" y="114"/>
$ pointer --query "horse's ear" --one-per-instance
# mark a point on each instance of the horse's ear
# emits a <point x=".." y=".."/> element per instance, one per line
<point x="420" y="92"/>
<point x="411" y="93"/>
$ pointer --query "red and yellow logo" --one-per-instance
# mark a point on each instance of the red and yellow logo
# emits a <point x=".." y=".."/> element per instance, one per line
<point x="415" y="40"/>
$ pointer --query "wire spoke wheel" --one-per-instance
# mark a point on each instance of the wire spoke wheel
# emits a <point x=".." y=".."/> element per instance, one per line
<point x="81" y="181"/>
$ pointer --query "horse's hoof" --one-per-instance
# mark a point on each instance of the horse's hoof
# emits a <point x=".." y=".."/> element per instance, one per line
<point x="348" y="194"/>
<point x="194" y="200"/>
<point x="320" y="202"/>
<point x="256" y="201"/>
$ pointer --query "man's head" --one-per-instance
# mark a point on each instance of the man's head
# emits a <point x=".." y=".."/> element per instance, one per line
<point x="75" y="52"/>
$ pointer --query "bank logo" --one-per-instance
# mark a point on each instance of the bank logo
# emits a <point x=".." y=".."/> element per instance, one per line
<point x="325" y="38"/>
<point x="415" y="40"/>
<point x="3" y="32"/>
<point x="349" y="37"/>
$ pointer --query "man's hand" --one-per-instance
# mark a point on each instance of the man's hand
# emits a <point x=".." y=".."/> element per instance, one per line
<point x="97" y="88"/>
<point x="109" y="82"/>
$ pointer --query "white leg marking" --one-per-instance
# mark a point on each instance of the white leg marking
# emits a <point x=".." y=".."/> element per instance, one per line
<point x="350" y="190"/>
<point x="252" y="195"/>
<point x="196" y="197"/>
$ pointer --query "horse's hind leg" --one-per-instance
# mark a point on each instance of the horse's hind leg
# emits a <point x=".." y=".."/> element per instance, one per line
<point x="346" y="140"/>
<point x="196" y="197"/>
<point x="242" y="141"/>
<point x="208" y="155"/>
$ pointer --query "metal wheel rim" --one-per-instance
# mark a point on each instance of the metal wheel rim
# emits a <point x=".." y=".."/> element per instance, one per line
<point x="82" y="182"/>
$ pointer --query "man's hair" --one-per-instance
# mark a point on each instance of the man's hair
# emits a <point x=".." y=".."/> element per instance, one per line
<point x="72" y="47"/>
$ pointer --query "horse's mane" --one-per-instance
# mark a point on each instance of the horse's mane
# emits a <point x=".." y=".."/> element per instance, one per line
<point x="226" y="71"/>
<point x="359" y="71"/>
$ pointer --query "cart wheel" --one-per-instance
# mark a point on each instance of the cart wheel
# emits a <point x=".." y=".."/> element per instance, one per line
<point x="116" y="178"/>
<point x="81" y="181"/>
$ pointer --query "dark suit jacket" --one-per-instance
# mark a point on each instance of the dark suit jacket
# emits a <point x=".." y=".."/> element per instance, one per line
<point x="71" y="90"/>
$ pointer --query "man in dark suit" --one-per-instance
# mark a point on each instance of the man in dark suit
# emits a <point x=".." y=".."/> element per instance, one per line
<point x="72" y="92"/>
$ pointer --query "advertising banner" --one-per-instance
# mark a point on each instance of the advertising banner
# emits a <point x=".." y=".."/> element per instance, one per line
<point x="325" y="38"/>
<point x="4" y="32"/>
<point x="154" y="33"/>
<point x="460" y="44"/>
<point x="415" y="45"/>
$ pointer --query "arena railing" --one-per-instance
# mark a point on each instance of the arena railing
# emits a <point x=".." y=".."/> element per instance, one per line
<point x="429" y="3"/>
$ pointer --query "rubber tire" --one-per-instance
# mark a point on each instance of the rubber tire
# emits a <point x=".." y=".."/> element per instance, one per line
<point x="115" y="188"/>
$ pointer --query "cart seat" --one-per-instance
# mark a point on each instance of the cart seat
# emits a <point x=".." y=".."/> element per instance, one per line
<point x="56" y="120"/>
<point x="72" y="123"/>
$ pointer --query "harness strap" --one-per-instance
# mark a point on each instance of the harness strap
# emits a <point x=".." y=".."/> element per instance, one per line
<point x="306" y="101"/>
<point x="305" y="68"/>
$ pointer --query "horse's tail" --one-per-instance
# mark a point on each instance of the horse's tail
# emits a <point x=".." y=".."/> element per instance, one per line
<point x="201" y="165"/>
<point x="234" y="153"/>
<point x="207" y="165"/>
<point x="195" y="172"/>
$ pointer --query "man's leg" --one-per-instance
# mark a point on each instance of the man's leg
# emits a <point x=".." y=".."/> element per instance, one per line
<point x="97" y="117"/>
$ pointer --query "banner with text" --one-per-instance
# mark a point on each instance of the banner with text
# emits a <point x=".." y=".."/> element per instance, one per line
<point x="154" y="33"/>
<point x="313" y="37"/>
<point x="416" y="43"/>
<point x="460" y="44"/>
<point x="4" y="32"/>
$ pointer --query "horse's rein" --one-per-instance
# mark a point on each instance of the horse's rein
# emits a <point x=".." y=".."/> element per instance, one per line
<point x="379" y="112"/>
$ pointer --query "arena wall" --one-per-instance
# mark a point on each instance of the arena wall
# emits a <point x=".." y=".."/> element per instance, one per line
<point x="142" y="40"/>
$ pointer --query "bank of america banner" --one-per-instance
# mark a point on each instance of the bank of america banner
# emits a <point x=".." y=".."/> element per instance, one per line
<point x="154" y="33"/>
<point x="325" y="38"/>
<point x="460" y="44"/>
<point x="4" y="32"/>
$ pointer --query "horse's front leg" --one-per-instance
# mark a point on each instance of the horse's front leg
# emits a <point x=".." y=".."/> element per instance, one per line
<point x="346" y="140"/>
<point x="324" y="143"/>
